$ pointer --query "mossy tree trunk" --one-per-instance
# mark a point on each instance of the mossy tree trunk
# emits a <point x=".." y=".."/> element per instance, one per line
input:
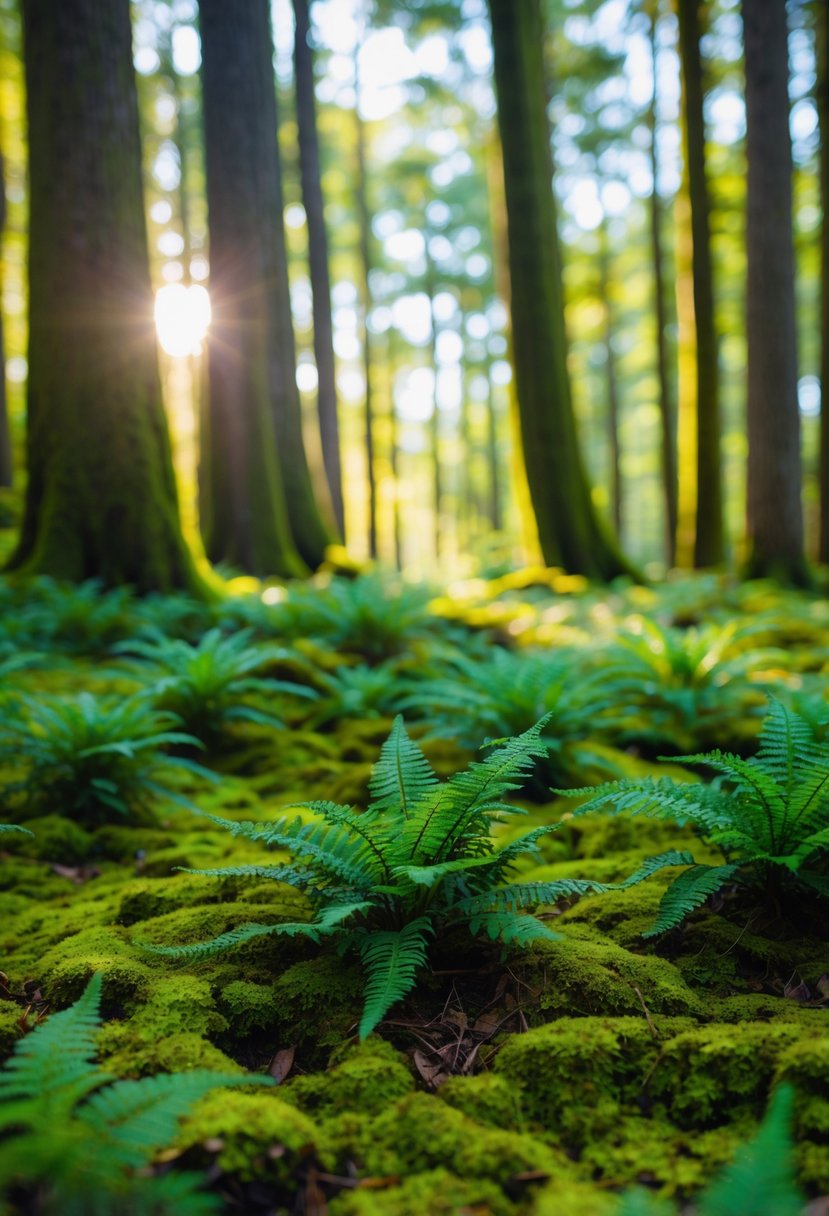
<point x="569" y="530"/>
<point x="775" y="516"/>
<point x="309" y="163"/>
<point x="6" y="471"/>
<point x="709" y="544"/>
<point x="822" y="97"/>
<point x="101" y="498"/>
<point x="258" y="509"/>
<point x="667" y="408"/>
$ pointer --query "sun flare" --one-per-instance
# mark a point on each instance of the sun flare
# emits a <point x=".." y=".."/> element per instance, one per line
<point x="182" y="316"/>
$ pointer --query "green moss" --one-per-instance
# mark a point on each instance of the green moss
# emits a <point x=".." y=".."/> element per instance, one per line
<point x="131" y="1054"/>
<point x="436" y="1192"/>
<point x="248" y="1006"/>
<point x="581" y="975"/>
<point x="806" y="1065"/>
<point x="56" y="838"/>
<point x="420" y="1132"/>
<point x="487" y="1098"/>
<point x="562" y="1197"/>
<point x="255" y="1136"/>
<point x="67" y="968"/>
<point x="577" y="1076"/>
<point x="714" y="1074"/>
<point x="146" y="898"/>
<point x="366" y="1079"/>
<point x="10" y="1028"/>
<point x="318" y="999"/>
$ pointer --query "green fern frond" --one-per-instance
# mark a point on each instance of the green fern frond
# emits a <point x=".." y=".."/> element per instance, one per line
<point x="528" y="894"/>
<point x="652" y="865"/>
<point x="56" y="1059"/>
<point x="391" y="961"/>
<point x="688" y="892"/>
<point x="442" y="820"/>
<point x="511" y="928"/>
<point x="402" y="776"/>
<point x="137" y="1117"/>
<point x="292" y="875"/>
<point x="762" y="1178"/>
<point x="656" y="798"/>
<point x="234" y="937"/>
<point x="787" y="744"/>
<point x="13" y="827"/>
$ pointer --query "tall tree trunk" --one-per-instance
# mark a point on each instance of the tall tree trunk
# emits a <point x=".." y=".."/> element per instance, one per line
<point x="611" y="381"/>
<point x="310" y="174"/>
<point x="434" y="421"/>
<point x="101" y="497"/>
<point x="493" y="462"/>
<point x="709" y="546"/>
<point x="394" y="445"/>
<point x="6" y="471"/>
<point x="252" y="360"/>
<point x="569" y="529"/>
<point x="364" y="220"/>
<point x="775" y="516"/>
<point x="822" y="93"/>
<point x="667" y="411"/>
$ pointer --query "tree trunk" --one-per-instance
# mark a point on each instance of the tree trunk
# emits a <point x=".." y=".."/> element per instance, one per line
<point x="667" y="412"/>
<point x="364" y="221"/>
<point x="611" y="381"/>
<point x="101" y="497"/>
<point x="822" y="97"/>
<point x="310" y="173"/>
<point x="6" y="477"/>
<point x="434" y="420"/>
<point x="492" y="456"/>
<point x="775" y="518"/>
<point x="569" y="529"/>
<point x="709" y="548"/>
<point x="260" y="506"/>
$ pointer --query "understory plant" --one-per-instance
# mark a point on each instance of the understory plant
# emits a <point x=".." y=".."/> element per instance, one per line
<point x="769" y="815"/>
<point x="209" y="685"/>
<point x="88" y="757"/>
<point x="72" y="1138"/>
<point x="421" y="860"/>
<point x="760" y="1180"/>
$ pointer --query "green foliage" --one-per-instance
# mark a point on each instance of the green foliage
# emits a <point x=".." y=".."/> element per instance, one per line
<point x="692" y="685"/>
<point x="73" y="1139"/>
<point x="88" y="757"/>
<point x="208" y="685"/>
<point x="768" y="814"/>
<point x="506" y="692"/>
<point x="358" y="692"/>
<point x="80" y="619"/>
<point x="760" y="1180"/>
<point x="420" y="860"/>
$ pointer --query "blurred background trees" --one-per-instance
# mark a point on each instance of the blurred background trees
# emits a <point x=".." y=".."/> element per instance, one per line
<point x="382" y="404"/>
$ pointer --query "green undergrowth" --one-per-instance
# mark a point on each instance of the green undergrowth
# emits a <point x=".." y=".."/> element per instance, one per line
<point x="544" y="1082"/>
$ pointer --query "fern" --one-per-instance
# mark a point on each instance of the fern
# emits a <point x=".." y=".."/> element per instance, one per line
<point x="419" y="860"/>
<point x="769" y="815"/>
<point x="91" y="757"/>
<point x="73" y="1137"/>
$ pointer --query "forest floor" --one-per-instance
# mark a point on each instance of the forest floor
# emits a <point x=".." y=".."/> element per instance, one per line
<point x="544" y="1081"/>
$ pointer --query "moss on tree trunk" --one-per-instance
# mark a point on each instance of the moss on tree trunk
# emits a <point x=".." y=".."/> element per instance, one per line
<point x="569" y="530"/>
<point x="101" y="498"/>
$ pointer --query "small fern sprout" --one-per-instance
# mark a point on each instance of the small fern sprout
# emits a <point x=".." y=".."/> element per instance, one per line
<point x="89" y="757"/>
<point x="211" y="685"/>
<point x="72" y="1138"/>
<point x="769" y="815"/>
<point x="420" y="860"/>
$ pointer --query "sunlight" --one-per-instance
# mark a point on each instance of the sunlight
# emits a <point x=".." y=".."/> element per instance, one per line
<point x="182" y="315"/>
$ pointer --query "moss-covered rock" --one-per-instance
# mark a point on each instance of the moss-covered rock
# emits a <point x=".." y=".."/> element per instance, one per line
<point x="436" y="1192"/>
<point x="56" y="838"/>
<point x="319" y="999"/>
<point x="805" y="1064"/>
<point x="364" y="1078"/>
<point x="250" y="1135"/>
<point x="67" y="968"/>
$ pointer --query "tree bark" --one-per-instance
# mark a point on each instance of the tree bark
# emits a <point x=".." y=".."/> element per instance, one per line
<point x="822" y="97"/>
<point x="364" y="220"/>
<point x="6" y="471"/>
<point x="709" y="545"/>
<point x="667" y="408"/>
<point x="101" y="496"/>
<point x="260" y="507"/>
<point x="312" y="199"/>
<point x="775" y="517"/>
<point x="611" y="381"/>
<point x="570" y="532"/>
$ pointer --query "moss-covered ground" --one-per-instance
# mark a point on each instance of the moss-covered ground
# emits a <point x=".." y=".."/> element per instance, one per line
<point x="543" y="1082"/>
